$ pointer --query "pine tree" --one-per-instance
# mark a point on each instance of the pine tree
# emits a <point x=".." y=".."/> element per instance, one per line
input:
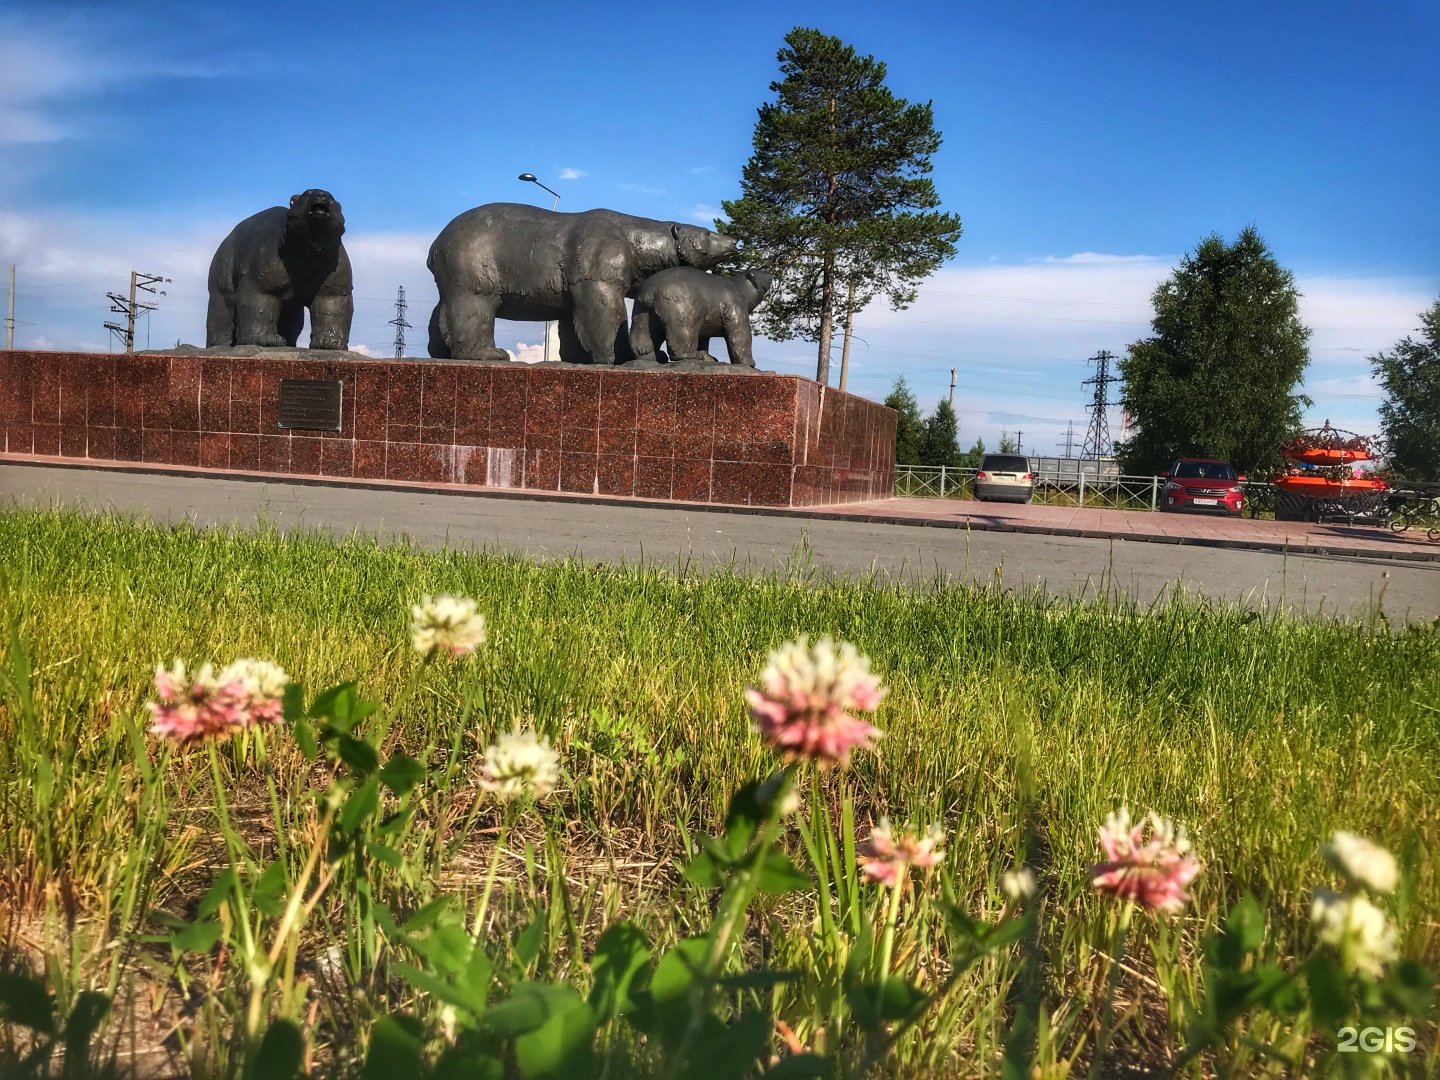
<point x="1218" y="376"/>
<point x="909" y="426"/>
<point x="836" y="200"/>
<point x="939" y="446"/>
<point x="1410" y="414"/>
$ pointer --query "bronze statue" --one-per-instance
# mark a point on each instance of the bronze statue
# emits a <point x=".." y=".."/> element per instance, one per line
<point x="685" y="308"/>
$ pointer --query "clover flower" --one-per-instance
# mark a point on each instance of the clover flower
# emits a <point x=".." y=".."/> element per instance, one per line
<point x="1358" y="930"/>
<point x="264" y="685"/>
<point x="1018" y="885"/>
<point x="1153" y="872"/>
<point x="885" y="855"/>
<point x="1362" y="862"/>
<point x="193" y="707"/>
<point x="805" y="699"/>
<point x="446" y="622"/>
<point x="520" y="763"/>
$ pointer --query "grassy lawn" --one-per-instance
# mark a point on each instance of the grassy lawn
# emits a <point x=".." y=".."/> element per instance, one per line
<point x="1016" y="722"/>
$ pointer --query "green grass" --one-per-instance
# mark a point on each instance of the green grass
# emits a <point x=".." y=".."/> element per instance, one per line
<point x="1261" y="732"/>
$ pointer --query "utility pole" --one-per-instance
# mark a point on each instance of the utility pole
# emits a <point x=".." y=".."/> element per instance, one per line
<point x="1097" y="437"/>
<point x="1019" y="443"/>
<point x="952" y="388"/>
<point x="131" y="308"/>
<point x="10" y="312"/>
<point x="399" y="321"/>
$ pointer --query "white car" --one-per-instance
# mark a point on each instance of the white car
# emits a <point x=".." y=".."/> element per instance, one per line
<point x="1004" y="478"/>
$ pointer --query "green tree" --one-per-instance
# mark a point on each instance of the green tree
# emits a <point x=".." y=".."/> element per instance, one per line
<point x="1009" y="444"/>
<point x="1410" y="413"/>
<point x="836" y="200"/>
<point x="939" y="446"/>
<point x="909" y="426"/>
<point x="1218" y="376"/>
<point x="971" y="458"/>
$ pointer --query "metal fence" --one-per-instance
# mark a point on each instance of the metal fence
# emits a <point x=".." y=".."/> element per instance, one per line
<point x="1053" y="487"/>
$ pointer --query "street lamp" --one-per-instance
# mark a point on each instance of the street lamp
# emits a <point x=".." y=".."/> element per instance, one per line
<point x="530" y="178"/>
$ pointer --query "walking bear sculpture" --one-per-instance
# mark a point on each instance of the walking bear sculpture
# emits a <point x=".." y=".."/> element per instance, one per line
<point x="273" y="266"/>
<point x="685" y="308"/>
<point x="513" y="261"/>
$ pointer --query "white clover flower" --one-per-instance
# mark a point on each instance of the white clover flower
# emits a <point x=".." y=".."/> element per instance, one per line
<point x="261" y="679"/>
<point x="1362" y="862"/>
<point x="446" y="622"/>
<point x="1018" y="884"/>
<point x="1358" y="930"/>
<point x="520" y="763"/>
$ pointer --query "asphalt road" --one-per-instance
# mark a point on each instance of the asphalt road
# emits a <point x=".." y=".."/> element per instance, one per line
<point x="1347" y="586"/>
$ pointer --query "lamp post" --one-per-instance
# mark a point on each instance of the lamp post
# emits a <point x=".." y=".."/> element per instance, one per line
<point x="529" y="178"/>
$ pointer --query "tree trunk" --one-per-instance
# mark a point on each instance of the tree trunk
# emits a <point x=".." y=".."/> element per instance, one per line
<point x="827" y="319"/>
<point x="849" y="329"/>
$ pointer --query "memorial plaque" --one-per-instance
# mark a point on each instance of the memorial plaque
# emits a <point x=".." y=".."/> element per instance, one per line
<point x="310" y="404"/>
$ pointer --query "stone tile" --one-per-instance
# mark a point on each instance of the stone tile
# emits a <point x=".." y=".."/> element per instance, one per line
<point x="337" y="457"/>
<point x="45" y="395"/>
<point x="654" y="477"/>
<point x="253" y="396"/>
<point x="579" y="427"/>
<point x="692" y="481"/>
<point x="694" y="419"/>
<point x="272" y="451"/>
<point x="74" y="389"/>
<point x="542" y="469"/>
<point x="343" y="372"/>
<point x="370" y="459"/>
<point x="72" y="440"/>
<point x="435" y="464"/>
<point x="100" y="397"/>
<point x="402" y="461"/>
<point x="214" y="450"/>
<point x="20" y="438"/>
<point x="101" y="444"/>
<point x="770" y="484"/>
<point x="185" y="448"/>
<point x="509" y="393"/>
<point x="403" y="396"/>
<point x="578" y="472"/>
<point x="154" y="445"/>
<point x="215" y="394"/>
<point x="371" y="403"/>
<point x="184" y="390"/>
<point x="472" y="404"/>
<point x="305" y="450"/>
<point x="15" y="388"/>
<point x="544" y="412"/>
<point x="472" y="465"/>
<point x="619" y="397"/>
<point x="128" y="444"/>
<point x="729" y="483"/>
<point x="734" y="415"/>
<point x="616" y="474"/>
<point x="152" y="374"/>
<point x="655" y="414"/>
<point x="437" y="406"/>
<point x="246" y="451"/>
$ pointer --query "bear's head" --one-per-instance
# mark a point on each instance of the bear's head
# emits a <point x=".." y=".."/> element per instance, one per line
<point x="315" y="217"/>
<point x="758" y="283"/>
<point x="700" y="247"/>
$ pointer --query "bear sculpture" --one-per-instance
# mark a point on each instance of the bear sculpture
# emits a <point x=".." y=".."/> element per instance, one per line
<point x="513" y="261"/>
<point x="685" y="308"/>
<point x="273" y="266"/>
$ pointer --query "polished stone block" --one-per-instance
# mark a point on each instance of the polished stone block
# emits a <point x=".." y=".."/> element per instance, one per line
<point x="721" y="437"/>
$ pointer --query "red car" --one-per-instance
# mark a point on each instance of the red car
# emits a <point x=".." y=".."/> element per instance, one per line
<point x="1205" y="485"/>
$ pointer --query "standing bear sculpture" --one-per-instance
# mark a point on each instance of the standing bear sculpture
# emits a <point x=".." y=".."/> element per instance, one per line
<point x="513" y="261"/>
<point x="273" y="266"/>
<point x="685" y="308"/>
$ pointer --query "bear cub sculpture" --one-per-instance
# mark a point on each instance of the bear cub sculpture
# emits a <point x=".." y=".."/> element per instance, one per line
<point x="273" y="266"/>
<point x="513" y="261"/>
<point x="685" y="308"/>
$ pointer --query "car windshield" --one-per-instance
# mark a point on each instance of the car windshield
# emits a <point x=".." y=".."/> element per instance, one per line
<point x="1005" y="463"/>
<point x="1204" y="470"/>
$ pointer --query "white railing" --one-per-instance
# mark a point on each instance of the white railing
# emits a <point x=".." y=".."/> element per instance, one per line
<point x="1051" y="488"/>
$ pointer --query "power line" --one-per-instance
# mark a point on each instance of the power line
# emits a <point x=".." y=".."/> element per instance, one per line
<point x="130" y="307"/>
<point x="1069" y="442"/>
<point x="1097" y="437"/>
<point x="399" y="321"/>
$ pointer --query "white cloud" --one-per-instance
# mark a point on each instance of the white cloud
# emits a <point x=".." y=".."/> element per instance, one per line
<point x="568" y="173"/>
<point x="706" y="214"/>
<point x="534" y="354"/>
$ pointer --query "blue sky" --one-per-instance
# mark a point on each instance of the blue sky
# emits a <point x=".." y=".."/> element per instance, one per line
<point x="1086" y="148"/>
